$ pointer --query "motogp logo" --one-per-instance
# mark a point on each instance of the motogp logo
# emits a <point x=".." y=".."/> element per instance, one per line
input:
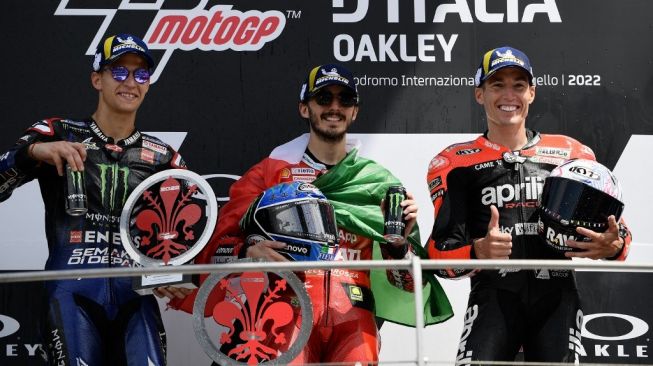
<point x="219" y="28"/>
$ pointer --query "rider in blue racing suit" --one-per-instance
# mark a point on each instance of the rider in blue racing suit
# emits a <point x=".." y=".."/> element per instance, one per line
<point x="96" y="321"/>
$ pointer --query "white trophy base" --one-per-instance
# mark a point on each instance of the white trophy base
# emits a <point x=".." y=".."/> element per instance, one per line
<point x="145" y="284"/>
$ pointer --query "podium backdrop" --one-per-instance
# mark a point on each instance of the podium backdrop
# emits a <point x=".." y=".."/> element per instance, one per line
<point x="226" y="91"/>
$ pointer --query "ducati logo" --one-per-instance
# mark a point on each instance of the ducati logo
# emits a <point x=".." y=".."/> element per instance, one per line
<point x="219" y="28"/>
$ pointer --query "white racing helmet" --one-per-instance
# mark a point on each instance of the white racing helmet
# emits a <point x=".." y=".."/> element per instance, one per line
<point x="577" y="193"/>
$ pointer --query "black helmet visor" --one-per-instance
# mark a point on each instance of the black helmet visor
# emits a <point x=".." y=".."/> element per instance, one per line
<point x="312" y="220"/>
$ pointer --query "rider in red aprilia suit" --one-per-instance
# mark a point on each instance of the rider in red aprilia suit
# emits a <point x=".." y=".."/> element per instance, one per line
<point x="540" y="309"/>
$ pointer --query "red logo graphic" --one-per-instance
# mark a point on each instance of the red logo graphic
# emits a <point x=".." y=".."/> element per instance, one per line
<point x="438" y="162"/>
<point x="147" y="156"/>
<point x="257" y="322"/>
<point x="216" y="29"/>
<point x="113" y="147"/>
<point x="75" y="236"/>
<point x="166" y="219"/>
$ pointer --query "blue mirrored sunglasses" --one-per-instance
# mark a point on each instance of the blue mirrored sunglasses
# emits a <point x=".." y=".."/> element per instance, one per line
<point x="121" y="73"/>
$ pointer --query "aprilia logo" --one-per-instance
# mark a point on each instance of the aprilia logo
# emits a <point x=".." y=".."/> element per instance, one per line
<point x="219" y="28"/>
<point x="465" y="356"/>
<point x="510" y="195"/>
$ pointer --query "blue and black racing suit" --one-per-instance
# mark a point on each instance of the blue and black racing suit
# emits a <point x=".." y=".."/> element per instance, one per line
<point x="93" y="321"/>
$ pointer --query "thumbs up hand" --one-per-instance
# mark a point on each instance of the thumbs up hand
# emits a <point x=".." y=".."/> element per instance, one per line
<point x="495" y="244"/>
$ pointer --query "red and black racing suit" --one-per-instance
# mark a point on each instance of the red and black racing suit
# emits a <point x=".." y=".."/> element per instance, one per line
<point x="93" y="321"/>
<point x="539" y="310"/>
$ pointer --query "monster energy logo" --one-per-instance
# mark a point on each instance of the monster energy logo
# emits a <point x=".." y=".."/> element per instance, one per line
<point x="75" y="181"/>
<point x="249" y="215"/>
<point x="110" y="176"/>
<point x="395" y="199"/>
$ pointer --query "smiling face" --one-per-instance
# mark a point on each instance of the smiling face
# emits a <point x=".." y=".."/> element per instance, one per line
<point x="506" y="96"/>
<point x="123" y="97"/>
<point x="329" y="122"/>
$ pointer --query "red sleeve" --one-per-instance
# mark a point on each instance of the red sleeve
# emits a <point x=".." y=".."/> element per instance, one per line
<point x="227" y="233"/>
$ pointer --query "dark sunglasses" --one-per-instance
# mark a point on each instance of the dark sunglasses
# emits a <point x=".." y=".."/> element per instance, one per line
<point x="345" y="99"/>
<point x="121" y="73"/>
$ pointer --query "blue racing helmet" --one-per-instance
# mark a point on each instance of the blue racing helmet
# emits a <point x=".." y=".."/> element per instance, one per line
<point x="297" y="214"/>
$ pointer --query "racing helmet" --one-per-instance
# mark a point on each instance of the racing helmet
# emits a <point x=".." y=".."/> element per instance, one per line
<point x="577" y="193"/>
<point x="297" y="214"/>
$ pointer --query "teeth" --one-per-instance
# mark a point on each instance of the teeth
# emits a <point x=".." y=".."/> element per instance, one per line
<point x="128" y="95"/>
<point x="508" y="108"/>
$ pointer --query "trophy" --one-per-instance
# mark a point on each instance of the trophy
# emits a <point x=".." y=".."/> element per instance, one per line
<point x="167" y="220"/>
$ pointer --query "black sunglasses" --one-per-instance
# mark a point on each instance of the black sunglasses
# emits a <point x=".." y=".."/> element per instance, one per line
<point x="121" y="73"/>
<point x="346" y="99"/>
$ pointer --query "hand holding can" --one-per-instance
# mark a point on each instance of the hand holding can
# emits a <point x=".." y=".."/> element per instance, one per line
<point x="76" y="199"/>
<point x="394" y="224"/>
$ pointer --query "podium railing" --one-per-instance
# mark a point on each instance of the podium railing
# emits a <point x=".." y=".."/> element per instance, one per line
<point x="415" y="264"/>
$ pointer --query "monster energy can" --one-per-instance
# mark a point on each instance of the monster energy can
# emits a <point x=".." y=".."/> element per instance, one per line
<point x="394" y="225"/>
<point x="76" y="201"/>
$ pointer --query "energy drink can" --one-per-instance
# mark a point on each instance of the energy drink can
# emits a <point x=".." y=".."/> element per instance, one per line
<point x="76" y="199"/>
<point x="394" y="225"/>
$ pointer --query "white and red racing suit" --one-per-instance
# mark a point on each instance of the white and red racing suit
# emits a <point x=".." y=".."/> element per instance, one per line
<point x="344" y="328"/>
<point x="539" y="310"/>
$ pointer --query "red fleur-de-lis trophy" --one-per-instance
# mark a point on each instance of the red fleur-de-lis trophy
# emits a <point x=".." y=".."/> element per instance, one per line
<point x="259" y="317"/>
<point x="167" y="220"/>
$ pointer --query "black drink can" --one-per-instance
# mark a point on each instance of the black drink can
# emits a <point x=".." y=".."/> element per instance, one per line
<point x="76" y="200"/>
<point x="394" y="225"/>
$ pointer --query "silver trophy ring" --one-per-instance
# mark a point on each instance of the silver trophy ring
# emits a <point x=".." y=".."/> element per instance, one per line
<point x="221" y="358"/>
<point x="162" y="199"/>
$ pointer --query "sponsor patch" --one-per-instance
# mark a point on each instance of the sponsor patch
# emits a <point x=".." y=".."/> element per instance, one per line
<point x="355" y="293"/>
<point x="90" y="145"/>
<point x="304" y="171"/>
<point x="436" y="194"/>
<point x="468" y="151"/>
<point x="285" y="173"/>
<point x="546" y="160"/>
<point x="438" y="162"/>
<point x="113" y="147"/>
<point x="487" y="164"/>
<point x="553" y="151"/>
<point x="435" y="183"/>
<point x="492" y="145"/>
<point x="307" y="187"/>
<point x="303" y="178"/>
<point x="75" y="236"/>
<point x="147" y="156"/>
<point x="156" y="147"/>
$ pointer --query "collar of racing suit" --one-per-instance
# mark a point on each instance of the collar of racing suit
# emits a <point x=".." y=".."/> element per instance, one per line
<point x="532" y="138"/>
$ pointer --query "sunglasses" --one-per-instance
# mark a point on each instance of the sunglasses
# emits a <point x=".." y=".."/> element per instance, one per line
<point x="325" y="98"/>
<point x="121" y="73"/>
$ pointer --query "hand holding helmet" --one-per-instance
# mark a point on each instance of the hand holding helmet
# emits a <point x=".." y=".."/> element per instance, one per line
<point x="291" y="221"/>
<point x="579" y="209"/>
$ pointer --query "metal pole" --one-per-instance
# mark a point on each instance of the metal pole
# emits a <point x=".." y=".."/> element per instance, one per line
<point x="419" y="308"/>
